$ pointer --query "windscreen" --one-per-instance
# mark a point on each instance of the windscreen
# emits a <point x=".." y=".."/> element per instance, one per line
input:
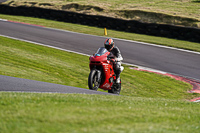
<point x="101" y="51"/>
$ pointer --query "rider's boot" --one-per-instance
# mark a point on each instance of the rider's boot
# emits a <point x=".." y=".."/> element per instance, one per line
<point x="118" y="78"/>
<point x="118" y="81"/>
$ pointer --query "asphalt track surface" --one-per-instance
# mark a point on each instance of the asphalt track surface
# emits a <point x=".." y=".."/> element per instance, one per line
<point x="25" y="85"/>
<point x="151" y="56"/>
<point x="1" y="1"/>
<point x="147" y="55"/>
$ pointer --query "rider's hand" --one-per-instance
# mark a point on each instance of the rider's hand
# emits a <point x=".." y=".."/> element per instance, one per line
<point x="113" y="60"/>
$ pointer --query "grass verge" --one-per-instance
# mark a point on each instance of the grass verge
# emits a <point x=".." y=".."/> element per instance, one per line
<point x="46" y="113"/>
<point x="150" y="102"/>
<point x="111" y="33"/>
<point x="29" y="61"/>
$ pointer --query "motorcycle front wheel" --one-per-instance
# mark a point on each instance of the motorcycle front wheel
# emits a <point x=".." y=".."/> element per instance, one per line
<point x="93" y="83"/>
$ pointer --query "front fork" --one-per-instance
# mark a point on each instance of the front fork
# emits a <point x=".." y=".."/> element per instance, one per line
<point x="98" y="76"/>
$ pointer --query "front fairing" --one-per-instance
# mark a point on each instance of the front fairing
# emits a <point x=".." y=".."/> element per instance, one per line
<point x="100" y="55"/>
<point x="95" y="59"/>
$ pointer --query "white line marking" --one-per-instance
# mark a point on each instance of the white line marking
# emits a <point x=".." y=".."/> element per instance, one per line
<point x="146" y="68"/>
<point x="196" y="101"/>
<point x="141" y="67"/>
<point x="3" y="19"/>
<point x="48" y="92"/>
<point x="44" y="45"/>
<point x="161" y="46"/>
<point x="68" y="50"/>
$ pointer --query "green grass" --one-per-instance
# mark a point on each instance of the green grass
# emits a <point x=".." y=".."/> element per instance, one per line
<point x="114" y="8"/>
<point x="111" y="33"/>
<point x="148" y="102"/>
<point x="61" y="113"/>
<point x="29" y="61"/>
<point x="35" y="62"/>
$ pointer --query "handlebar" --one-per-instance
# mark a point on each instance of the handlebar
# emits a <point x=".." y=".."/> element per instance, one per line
<point x="109" y="58"/>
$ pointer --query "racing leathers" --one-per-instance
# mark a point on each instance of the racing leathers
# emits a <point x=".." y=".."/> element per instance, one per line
<point x="117" y="58"/>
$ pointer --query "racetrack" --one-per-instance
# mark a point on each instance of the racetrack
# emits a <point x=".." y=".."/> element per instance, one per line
<point x="1" y="1"/>
<point x="148" y="55"/>
<point x="25" y="85"/>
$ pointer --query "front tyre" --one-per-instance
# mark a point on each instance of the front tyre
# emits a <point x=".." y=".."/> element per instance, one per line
<point x="93" y="83"/>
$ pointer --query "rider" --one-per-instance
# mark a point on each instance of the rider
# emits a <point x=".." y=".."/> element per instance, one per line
<point x="117" y="57"/>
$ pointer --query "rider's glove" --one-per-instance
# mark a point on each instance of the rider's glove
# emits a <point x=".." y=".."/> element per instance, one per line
<point x="113" y="60"/>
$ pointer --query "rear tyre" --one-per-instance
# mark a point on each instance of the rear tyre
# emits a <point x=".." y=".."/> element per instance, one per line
<point x="93" y="83"/>
<point x="116" y="88"/>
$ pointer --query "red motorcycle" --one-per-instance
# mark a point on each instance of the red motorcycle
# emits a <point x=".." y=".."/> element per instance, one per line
<point x="101" y="72"/>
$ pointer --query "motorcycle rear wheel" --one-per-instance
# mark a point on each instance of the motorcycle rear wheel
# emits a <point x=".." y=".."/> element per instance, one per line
<point x="93" y="83"/>
<point x="115" y="89"/>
